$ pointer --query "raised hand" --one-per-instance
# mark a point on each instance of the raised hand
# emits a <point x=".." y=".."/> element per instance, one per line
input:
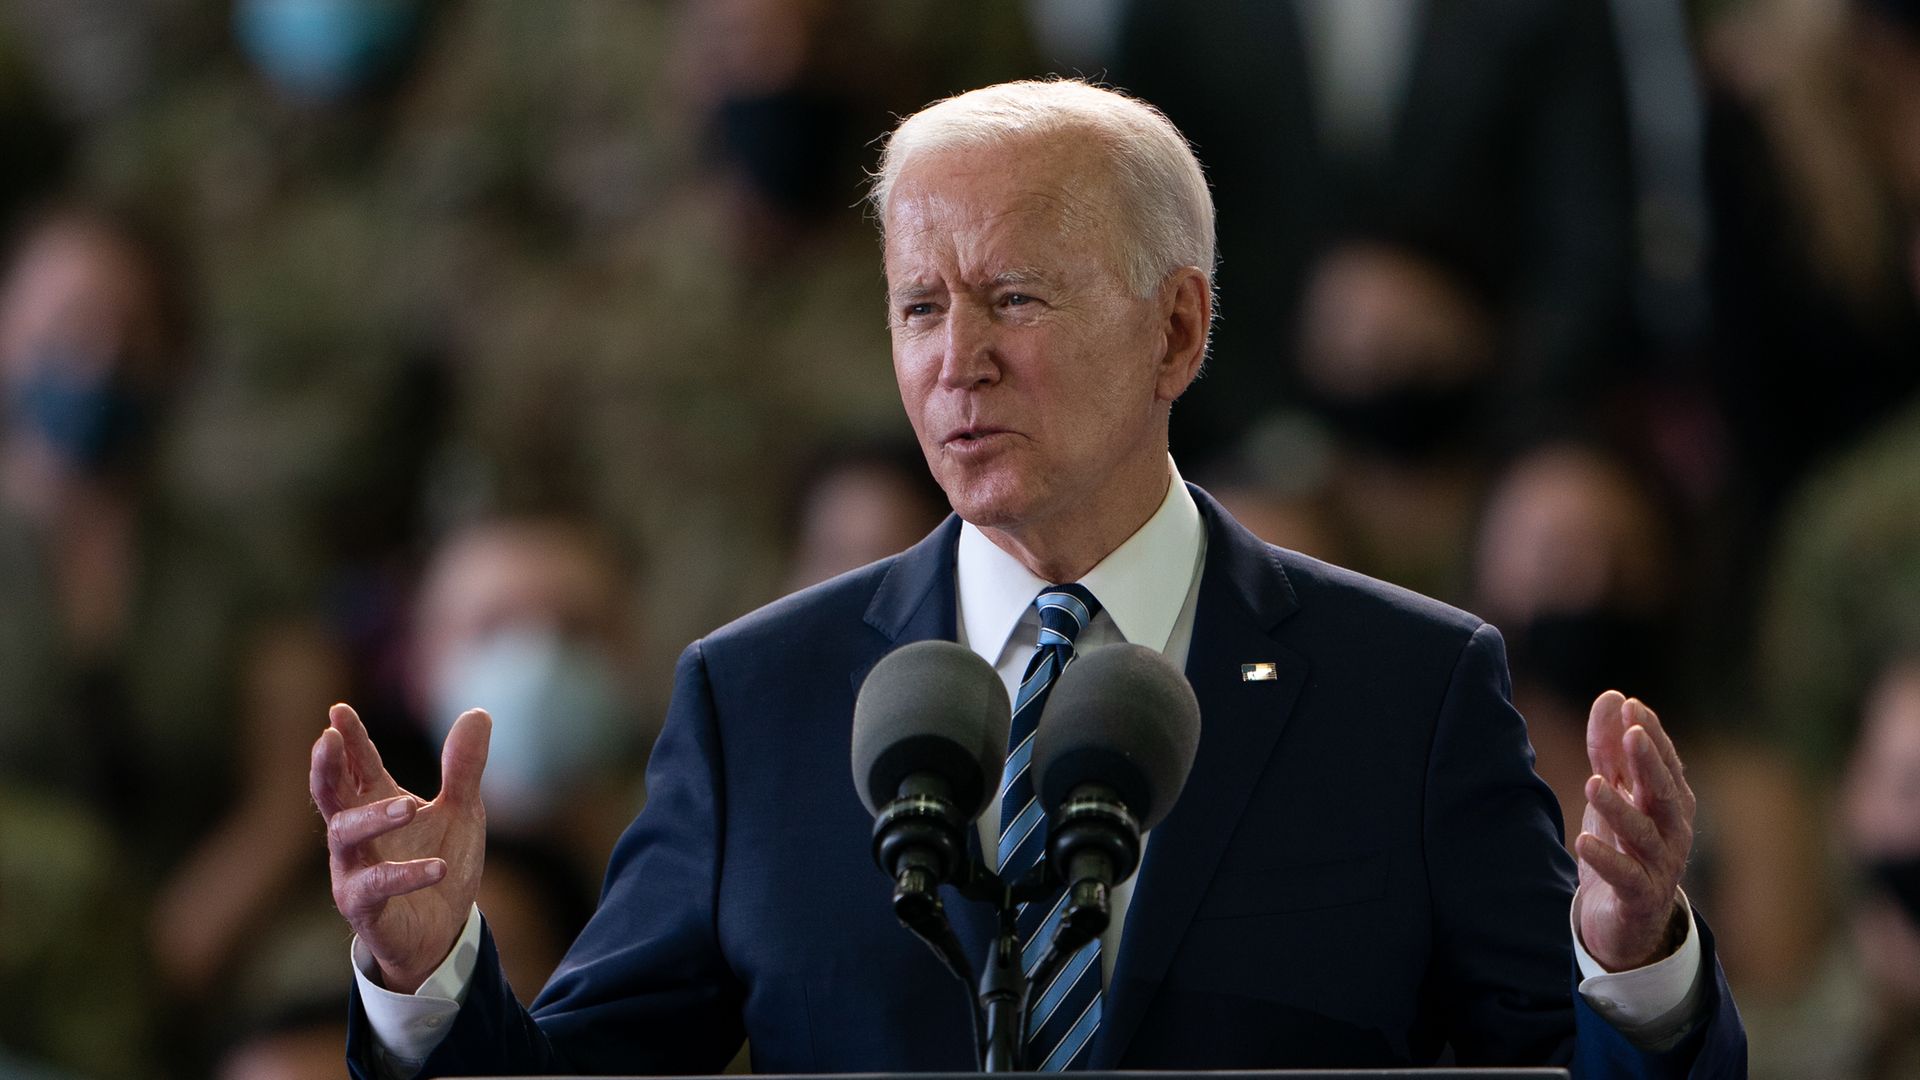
<point x="405" y="871"/>
<point x="1635" y="837"/>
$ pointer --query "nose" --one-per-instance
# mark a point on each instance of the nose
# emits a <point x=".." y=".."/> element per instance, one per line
<point x="970" y="358"/>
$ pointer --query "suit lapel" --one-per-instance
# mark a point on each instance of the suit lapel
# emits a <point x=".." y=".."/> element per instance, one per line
<point x="916" y="601"/>
<point x="1244" y="594"/>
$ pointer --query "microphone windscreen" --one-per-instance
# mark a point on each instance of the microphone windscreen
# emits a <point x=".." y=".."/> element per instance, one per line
<point x="1119" y="715"/>
<point x="931" y="707"/>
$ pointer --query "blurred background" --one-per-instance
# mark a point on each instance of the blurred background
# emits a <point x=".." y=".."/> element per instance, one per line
<point x="424" y="354"/>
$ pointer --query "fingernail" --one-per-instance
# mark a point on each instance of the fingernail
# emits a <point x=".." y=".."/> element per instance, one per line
<point x="398" y="809"/>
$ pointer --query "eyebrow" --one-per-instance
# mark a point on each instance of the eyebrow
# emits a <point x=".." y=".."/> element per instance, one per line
<point x="1012" y="278"/>
<point x="913" y="293"/>
<point x="1022" y="276"/>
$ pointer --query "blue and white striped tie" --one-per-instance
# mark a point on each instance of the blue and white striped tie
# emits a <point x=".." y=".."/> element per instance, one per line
<point x="1066" y="1012"/>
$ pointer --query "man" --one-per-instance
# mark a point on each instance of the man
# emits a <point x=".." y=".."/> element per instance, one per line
<point x="1363" y="869"/>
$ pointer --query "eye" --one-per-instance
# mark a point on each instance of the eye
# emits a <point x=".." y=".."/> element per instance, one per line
<point x="1016" y="300"/>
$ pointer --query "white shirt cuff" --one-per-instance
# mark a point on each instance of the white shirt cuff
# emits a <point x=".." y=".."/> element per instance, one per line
<point x="1653" y="1006"/>
<point x="407" y="1027"/>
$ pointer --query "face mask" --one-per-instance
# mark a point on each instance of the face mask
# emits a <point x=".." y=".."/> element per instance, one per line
<point x="1406" y="423"/>
<point x="558" y="715"/>
<point x="94" y="422"/>
<point x="1577" y="655"/>
<point x="1901" y="878"/>
<point x="325" y="50"/>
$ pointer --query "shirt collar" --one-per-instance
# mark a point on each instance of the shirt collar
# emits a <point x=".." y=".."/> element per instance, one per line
<point x="1141" y="585"/>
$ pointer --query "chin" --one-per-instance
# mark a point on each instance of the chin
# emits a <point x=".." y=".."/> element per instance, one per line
<point x="989" y="502"/>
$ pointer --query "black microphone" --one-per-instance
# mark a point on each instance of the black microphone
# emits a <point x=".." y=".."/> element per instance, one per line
<point x="1111" y="755"/>
<point x="929" y="741"/>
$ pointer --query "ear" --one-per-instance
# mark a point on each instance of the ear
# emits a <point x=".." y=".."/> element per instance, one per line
<point x="1186" y="314"/>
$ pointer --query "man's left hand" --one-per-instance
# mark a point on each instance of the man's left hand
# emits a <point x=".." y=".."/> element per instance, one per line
<point x="1634" y="839"/>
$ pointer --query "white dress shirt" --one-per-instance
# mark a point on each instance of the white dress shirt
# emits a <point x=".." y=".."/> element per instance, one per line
<point x="1147" y="588"/>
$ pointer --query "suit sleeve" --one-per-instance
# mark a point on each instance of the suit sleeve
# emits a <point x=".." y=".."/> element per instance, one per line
<point x="1504" y="975"/>
<point x="645" y="988"/>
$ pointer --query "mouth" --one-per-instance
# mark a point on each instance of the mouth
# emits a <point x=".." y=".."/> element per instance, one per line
<point x="971" y="436"/>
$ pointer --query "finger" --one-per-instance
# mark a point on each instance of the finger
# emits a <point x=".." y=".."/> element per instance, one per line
<point x="1591" y="821"/>
<point x="350" y="828"/>
<point x="369" y="887"/>
<point x="1605" y="725"/>
<point x="369" y="774"/>
<point x="1654" y="790"/>
<point x="464" y="758"/>
<point x="327" y="777"/>
<point x="1633" y="829"/>
<point x="1646" y="718"/>
<point x="1627" y="876"/>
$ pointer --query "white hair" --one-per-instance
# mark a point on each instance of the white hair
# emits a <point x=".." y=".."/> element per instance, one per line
<point x="1163" y="194"/>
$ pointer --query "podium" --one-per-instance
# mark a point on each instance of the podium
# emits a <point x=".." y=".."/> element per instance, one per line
<point x="1177" y="1075"/>
<point x="1274" y="1074"/>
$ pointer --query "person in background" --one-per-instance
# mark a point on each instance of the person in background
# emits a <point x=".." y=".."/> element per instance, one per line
<point x="858" y="504"/>
<point x="1880" y="836"/>
<point x="147" y="660"/>
<point x="532" y="616"/>
<point x="1578" y="560"/>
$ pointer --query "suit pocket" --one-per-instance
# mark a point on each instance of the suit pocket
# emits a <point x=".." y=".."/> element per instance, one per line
<point x="1300" y="886"/>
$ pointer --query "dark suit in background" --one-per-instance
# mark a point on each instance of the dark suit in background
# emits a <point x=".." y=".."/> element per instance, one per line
<point x="1507" y="163"/>
<point x="1362" y="868"/>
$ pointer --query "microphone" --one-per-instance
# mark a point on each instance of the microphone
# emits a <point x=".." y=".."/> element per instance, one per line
<point x="1111" y="755"/>
<point x="929" y="741"/>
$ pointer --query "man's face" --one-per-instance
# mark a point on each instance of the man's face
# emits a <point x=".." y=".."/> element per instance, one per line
<point x="1032" y="375"/>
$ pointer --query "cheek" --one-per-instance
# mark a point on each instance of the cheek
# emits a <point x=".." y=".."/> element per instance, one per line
<point x="913" y="381"/>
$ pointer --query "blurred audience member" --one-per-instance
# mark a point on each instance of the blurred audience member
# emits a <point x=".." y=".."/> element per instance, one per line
<point x="532" y="618"/>
<point x="1575" y="563"/>
<point x="858" y="504"/>
<point x="1578" y="562"/>
<point x="1396" y="353"/>
<point x="1816" y="194"/>
<point x="1841" y="628"/>
<point x="1355" y="146"/>
<point x="321" y="51"/>
<point x="128" y="624"/>
<point x="1880" y="827"/>
<point x="115" y="633"/>
<point x="71" y="973"/>
<point x="1844" y="598"/>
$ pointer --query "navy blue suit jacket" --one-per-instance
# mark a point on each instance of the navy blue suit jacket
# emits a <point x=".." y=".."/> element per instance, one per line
<point x="1363" y="868"/>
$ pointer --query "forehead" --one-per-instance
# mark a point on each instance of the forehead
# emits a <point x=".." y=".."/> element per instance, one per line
<point x="1022" y="200"/>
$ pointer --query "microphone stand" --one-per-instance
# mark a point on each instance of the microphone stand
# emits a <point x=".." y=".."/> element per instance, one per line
<point x="999" y="1001"/>
<point x="916" y="835"/>
<point x="1005" y="1001"/>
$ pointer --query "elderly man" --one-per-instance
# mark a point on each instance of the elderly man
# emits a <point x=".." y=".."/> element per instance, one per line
<point x="1363" y="869"/>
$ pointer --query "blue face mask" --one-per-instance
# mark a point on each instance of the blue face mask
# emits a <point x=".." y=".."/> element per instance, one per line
<point x="558" y="717"/>
<point x="96" y="423"/>
<point x="325" y="50"/>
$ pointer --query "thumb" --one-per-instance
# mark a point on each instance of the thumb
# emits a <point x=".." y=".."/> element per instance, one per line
<point x="464" y="757"/>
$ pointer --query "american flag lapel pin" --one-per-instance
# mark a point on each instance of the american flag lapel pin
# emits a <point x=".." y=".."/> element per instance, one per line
<point x="1262" y="672"/>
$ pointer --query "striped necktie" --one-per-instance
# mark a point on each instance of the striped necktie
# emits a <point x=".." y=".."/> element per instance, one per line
<point x="1066" y="1013"/>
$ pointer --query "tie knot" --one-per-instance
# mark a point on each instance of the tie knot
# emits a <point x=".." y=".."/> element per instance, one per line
<point x="1065" y="610"/>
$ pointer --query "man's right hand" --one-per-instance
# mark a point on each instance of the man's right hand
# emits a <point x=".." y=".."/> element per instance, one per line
<point x="406" y="871"/>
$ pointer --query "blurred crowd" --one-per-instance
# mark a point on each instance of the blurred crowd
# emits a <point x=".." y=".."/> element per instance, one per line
<point x="434" y="353"/>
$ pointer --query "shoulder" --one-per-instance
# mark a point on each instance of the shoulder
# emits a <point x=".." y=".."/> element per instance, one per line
<point x="833" y="608"/>
<point x="1305" y="597"/>
<point x="1329" y="591"/>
